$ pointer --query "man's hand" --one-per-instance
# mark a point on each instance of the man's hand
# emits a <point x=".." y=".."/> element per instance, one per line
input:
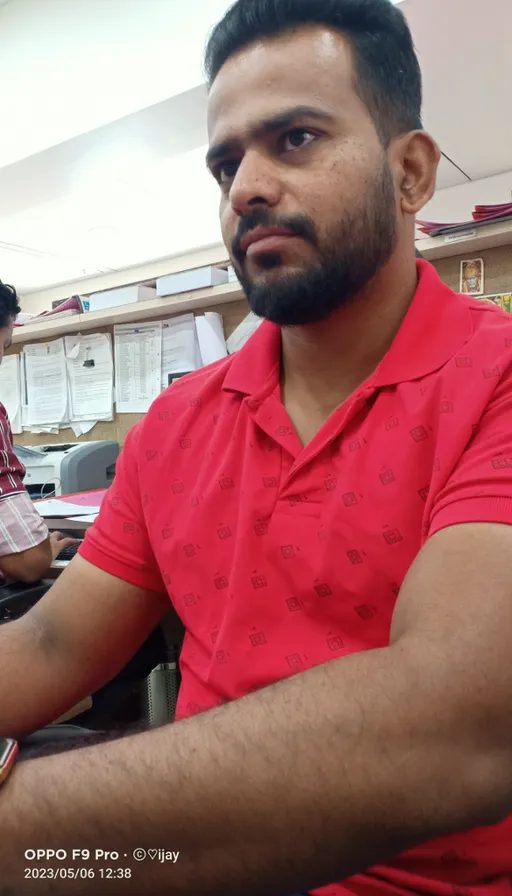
<point x="58" y="542"/>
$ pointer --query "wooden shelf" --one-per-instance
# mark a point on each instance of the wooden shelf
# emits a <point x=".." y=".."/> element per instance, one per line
<point x="148" y="272"/>
<point x="490" y="236"/>
<point x="154" y="309"/>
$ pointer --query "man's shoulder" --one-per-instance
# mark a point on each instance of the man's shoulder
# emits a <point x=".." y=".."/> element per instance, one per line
<point x="491" y="328"/>
<point x="487" y="312"/>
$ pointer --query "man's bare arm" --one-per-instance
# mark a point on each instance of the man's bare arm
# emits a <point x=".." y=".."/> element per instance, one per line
<point x="75" y="639"/>
<point x="317" y="777"/>
<point x="30" y="565"/>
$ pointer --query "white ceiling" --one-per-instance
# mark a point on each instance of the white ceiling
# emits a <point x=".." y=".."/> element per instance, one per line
<point x="464" y="50"/>
<point x="102" y="167"/>
<point x="75" y="65"/>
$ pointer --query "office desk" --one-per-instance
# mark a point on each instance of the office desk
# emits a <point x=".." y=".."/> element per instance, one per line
<point x="65" y="524"/>
<point x="71" y="524"/>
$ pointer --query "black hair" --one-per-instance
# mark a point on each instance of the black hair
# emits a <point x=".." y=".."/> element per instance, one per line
<point x="387" y="69"/>
<point x="9" y="308"/>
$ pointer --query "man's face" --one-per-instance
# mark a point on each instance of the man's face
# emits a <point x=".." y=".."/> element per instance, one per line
<point x="5" y="338"/>
<point x="308" y="202"/>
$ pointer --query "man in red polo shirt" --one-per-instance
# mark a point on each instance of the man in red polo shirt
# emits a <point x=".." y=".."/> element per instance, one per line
<point x="328" y="512"/>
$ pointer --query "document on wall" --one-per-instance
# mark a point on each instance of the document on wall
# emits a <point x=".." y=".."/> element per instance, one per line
<point x="243" y="332"/>
<point x="91" y="379"/>
<point x="210" y="333"/>
<point x="10" y="390"/>
<point x="179" y="347"/>
<point x="82" y="427"/>
<point x="47" y="389"/>
<point x="138" y="366"/>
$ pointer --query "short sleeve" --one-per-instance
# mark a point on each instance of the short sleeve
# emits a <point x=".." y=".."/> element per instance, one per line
<point x="12" y="471"/>
<point x="118" y="542"/>
<point x="21" y="526"/>
<point x="479" y="490"/>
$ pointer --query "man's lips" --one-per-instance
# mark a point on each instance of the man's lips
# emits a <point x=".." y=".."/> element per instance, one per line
<point x="263" y="239"/>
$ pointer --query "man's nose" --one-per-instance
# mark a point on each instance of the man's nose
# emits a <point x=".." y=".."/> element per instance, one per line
<point x="256" y="184"/>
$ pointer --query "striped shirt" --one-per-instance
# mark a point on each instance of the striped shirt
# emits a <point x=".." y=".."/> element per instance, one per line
<point x="21" y="527"/>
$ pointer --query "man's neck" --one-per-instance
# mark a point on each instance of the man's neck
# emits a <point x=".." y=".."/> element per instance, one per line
<point x="325" y="362"/>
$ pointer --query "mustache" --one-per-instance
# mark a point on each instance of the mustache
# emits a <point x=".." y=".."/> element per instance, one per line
<point x="298" y="225"/>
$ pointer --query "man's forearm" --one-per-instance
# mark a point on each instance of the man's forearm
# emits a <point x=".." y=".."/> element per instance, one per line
<point x="306" y="782"/>
<point x="28" y="701"/>
<point x="30" y="565"/>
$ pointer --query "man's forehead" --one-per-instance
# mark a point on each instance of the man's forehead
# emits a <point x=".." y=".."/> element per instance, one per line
<point x="309" y="66"/>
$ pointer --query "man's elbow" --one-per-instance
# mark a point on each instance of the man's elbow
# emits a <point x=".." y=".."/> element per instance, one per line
<point x="30" y="574"/>
<point x="478" y="786"/>
<point x="29" y="566"/>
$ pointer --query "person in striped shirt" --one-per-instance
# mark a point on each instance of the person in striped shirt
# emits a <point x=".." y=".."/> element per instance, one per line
<point x="26" y="547"/>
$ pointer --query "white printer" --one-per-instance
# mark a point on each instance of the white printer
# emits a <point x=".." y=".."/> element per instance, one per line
<point x="67" y="469"/>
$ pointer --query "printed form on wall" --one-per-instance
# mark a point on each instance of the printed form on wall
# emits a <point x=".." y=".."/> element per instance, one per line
<point x="47" y="391"/>
<point x="91" y="380"/>
<point x="180" y="349"/>
<point x="138" y="366"/>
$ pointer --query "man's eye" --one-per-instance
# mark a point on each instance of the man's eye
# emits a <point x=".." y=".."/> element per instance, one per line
<point x="296" y="139"/>
<point x="226" y="171"/>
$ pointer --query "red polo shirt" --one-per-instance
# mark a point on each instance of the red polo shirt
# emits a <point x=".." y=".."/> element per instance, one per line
<point x="278" y="558"/>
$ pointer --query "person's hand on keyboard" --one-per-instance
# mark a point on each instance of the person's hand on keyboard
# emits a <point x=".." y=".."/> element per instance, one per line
<point x="59" y="542"/>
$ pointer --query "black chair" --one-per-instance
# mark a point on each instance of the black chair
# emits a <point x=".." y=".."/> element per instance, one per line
<point x="119" y="702"/>
<point x="17" y="598"/>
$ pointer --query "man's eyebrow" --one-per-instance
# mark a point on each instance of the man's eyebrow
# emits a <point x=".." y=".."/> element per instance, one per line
<point x="278" y="122"/>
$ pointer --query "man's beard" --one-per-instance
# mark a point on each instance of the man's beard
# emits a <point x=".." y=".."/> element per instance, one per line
<point x="350" y="256"/>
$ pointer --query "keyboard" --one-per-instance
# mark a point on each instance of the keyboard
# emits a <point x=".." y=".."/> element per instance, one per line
<point x="68" y="553"/>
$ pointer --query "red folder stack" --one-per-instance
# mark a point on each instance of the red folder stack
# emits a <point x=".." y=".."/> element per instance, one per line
<point x="74" y="305"/>
<point x="482" y="214"/>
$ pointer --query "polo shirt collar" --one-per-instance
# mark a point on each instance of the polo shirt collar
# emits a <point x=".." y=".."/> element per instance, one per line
<point x="437" y="325"/>
<point x="255" y="368"/>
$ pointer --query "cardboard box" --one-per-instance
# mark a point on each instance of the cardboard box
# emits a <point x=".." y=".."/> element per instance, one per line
<point x="186" y="281"/>
<point x="126" y="295"/>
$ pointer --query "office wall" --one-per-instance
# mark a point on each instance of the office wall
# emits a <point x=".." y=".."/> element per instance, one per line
<point x="498" y="278"/>
<point x="498" y="269"/>
<point x="232" y="313"/>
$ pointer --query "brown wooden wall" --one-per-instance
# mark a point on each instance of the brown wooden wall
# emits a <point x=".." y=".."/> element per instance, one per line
<point x="498" y="269"/>
<point x="232" y="313"/>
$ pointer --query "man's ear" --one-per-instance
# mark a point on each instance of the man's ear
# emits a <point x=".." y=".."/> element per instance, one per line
<point x="415" y="159"/>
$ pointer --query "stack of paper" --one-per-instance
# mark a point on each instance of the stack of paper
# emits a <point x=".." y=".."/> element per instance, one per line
<point x="10" y="391"/>
<point x="53" y="507"/>
<point x="91" y="380"/>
